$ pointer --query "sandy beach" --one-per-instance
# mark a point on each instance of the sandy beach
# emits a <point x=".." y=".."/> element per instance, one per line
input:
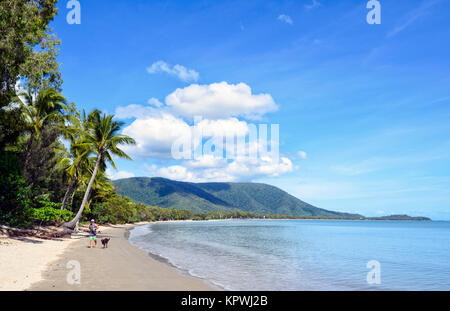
<point x="22" y="260"/>
<point x="36" y="264"/>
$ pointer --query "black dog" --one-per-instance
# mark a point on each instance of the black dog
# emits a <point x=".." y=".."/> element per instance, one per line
<point x="105" y="242"/>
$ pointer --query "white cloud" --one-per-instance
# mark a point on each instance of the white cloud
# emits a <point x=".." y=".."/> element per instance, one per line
<point x="302" y="154"/>
<point x="156" y="132"/>
<point x="207" y="161"/>
<point x="315" y="4"/>
<point x="175" y="172"/>
<point x="285" y="18"/>
<point x="220" y="100"/>
<point x="113" y="174"/>
<point x="158" y="126"/>
<point x="155" y="135"/>
<point x="211" y="101"/>
<point x="223" y="127"/>
<point x="184" y="74"/>
<point x="210" y="169"/>
<point x="155" y="102"/>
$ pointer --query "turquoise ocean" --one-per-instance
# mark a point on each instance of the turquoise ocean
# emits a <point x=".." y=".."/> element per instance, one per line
<point x="304" y="254"/>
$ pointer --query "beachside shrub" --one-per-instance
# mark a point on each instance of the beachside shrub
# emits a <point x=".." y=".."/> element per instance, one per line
<point x="115" y="209"/>
<point x="146" y="212"/>
<point x="50" y="213"/>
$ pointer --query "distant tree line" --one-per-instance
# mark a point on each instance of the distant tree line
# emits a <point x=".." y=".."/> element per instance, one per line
<point x="118" y="209"/>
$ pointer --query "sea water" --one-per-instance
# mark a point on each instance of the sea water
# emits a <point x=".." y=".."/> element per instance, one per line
<point x="305" y="254"/>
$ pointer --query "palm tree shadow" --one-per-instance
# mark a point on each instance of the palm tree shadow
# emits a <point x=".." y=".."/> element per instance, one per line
<point x="27" y="240"/>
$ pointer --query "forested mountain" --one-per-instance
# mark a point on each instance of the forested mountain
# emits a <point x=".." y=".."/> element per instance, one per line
<point x="204" y="197"/>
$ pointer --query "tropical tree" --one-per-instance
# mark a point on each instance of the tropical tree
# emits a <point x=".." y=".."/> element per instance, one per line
<point x="103" y="139"/>
<point x="77" y="155"/>
<point x="72" y="163"/>
<point x="38" y="110"/>
<point x="28" y="49"/>
<point x="102" y="187"/>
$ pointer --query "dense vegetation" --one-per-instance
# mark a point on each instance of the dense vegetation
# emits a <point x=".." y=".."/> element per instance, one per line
<point x="43" y="180"/>
<point x="255" y="198"/>
<point x="121" y="209"/>
<point x="27" y="54"/>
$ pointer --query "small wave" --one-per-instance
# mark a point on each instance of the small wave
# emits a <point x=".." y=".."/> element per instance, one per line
<point x="258" y="256"/>
<point x="145" y="230"/>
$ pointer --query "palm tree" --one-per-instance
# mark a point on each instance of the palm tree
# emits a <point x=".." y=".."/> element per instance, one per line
<point x="103" y="139"/>
<point x="78" y="154"/>
<point x="82" y="178"/>
<point x="103" y="187"/>
<point x="73" y="162"/>
<point x="39" y="110"/>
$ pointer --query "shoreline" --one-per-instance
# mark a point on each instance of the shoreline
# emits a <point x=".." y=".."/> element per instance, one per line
<point x="30" y="263"/>
<point x="121" y="266"/>
<point x="167" y="262"/>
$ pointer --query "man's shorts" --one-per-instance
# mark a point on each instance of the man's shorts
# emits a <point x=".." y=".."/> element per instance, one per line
<point x="92" y="237"/>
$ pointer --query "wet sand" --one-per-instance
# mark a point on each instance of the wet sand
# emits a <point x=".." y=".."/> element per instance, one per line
<point x="121" y="266"/>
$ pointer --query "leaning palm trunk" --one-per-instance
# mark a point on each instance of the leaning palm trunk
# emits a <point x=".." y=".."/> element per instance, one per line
<point x="72" y="224"/>
<point x="70" y="188"/>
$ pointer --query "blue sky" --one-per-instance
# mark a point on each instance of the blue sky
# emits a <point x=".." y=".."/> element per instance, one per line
<point x="368" y="105"/>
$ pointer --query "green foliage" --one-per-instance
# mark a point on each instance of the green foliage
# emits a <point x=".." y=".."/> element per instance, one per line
<point x="28" y="53"/>
<point x="225" y="197"/>
<point x="11" y="126"/>
<point x="42" y="173"/>
<point x="27" y="49"/>
<point x="120" y="209"/>
<point x="41" y="109"/>
<point x="50" y="213"/>
<point x="101" y="138"/>
<point x="146" y="212"/>
<point x="115" y="209"/>
<point x="15" y="195"/>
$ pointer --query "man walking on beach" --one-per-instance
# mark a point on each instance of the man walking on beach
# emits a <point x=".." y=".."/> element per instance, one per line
<point x="93" y="227"/>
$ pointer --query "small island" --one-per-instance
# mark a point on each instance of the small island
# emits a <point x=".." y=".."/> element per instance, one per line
<point x="400" y="217"/>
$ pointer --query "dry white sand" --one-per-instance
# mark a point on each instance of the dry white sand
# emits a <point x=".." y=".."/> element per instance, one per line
<point x="119" y="267"/>
<point x="23" y="259"/>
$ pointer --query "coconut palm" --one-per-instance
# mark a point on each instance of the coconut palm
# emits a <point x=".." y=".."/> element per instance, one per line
<point x="72" y="162"/>
<point x="102" y="139"/>
<point x="77" y="155"/>
<point x="82" y="178"/>
<point x="102" y="186"/>
<point x="39" y="110"/>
